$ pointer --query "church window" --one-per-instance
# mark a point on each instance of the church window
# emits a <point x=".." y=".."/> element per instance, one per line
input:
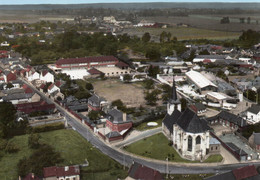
<point x="189" y="143"/>
<point x="198" y="140"/>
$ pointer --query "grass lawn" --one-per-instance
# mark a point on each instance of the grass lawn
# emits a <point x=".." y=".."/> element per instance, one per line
<point x="143" y="126"/>
<point x="155" y="147"/>
<point x="214" y="158"/>
<point x="74" y="149"/>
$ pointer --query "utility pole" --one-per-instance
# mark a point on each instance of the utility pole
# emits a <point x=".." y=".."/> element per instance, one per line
<point x="167" y="168"/>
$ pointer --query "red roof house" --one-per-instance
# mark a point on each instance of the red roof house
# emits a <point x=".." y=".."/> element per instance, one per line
<point x="64" y="172"/>
<point x="31" y="176"/>
<point x="245" y="172"/>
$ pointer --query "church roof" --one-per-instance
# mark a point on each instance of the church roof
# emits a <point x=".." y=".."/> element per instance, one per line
<point x="174" y="98"/>
<point x="169" y="120"/>
<point x="190" y="122"/>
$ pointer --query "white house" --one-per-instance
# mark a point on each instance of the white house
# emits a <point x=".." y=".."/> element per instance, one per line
<point x="47" y="76"/>
<point x="61" y="173"/>
<point x="33" y="76"/>
<point x="52" y="88"/>
<point x="253" y="114"/>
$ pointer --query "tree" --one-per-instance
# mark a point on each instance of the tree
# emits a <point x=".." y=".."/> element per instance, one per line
<point x="153" y="53"/>
<point x="248" y="20"/>
<point x="146" y="37"/>
<point x="44" y="156"/>
<point x="225" y="20"/>
<point x="148" y="84"/>
<point x="204" y="52"/>
<point x="163" y="35"/>
<point x="119" y="104"/>
<point x="9" y="85"/>
<point x="89" y="86"/>
<point x="33" y="140"/>
<point x="93" y="115"/>
<point x="152" y="97"/>
<point x="191" y="57"/>
<point x="153" y="71"/>
<point x="127" y="78"/>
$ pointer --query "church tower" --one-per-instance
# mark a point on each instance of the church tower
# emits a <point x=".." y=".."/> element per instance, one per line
<point x="174" y="102"/>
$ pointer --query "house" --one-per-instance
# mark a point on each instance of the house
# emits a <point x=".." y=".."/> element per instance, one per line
<point x="57" y="95"/>
<point x="198" y="108"/>
<point x="27" y="89"/>
<point x="118" y="121"/>
<point x="214" y="146"/>
<point x="40" y="106"/>
<point x="254" y="141"/>
<point x="61" y="173"/>
<point x="228" y="119"/>
<point x="93" y="73"/>
<point x="46" y="76"/>
<point x="95" y="103"/>
<point x="77" y="68"/>
<point x="139" y="171"/>
<point x="210" y="58"/>
<point x="33" y="76"/>
<point x="253" y="114"/>
<point x="243" y="173"/>
<point x="189" y="133"/>
<point x="31" y="176"/>
<point x="17" y="98"/>
<point x="221" y="98"/>
<point x="200" y="82"/>
<point x="9" y="76"/>
<point x="54" y="87"/>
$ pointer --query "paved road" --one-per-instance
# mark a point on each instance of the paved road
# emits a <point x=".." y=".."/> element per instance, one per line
<point x="127" y="159"/>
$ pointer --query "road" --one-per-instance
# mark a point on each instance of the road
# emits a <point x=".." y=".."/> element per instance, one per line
<point x="127" y="159"/>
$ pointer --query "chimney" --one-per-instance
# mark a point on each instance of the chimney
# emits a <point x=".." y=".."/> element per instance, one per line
<point x="66" y="168"/>
<point x="124" y="116"/>
<point x="33" y="175"/>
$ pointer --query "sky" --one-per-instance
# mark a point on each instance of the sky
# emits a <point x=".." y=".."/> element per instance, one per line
<point x="13" y="2"/>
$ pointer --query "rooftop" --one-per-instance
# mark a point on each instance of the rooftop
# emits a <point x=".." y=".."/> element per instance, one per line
<point x="200" y="80"/>
<point x="86" y="60"/>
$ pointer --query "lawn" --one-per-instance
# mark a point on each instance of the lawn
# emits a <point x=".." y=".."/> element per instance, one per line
<point x="143" y="126"/>
<point x="214" y="158"/>
<point x="74" y="149"/>
<point x="157" y="147"/>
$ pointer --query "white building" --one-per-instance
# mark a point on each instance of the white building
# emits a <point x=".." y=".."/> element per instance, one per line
<point x="189" y="133"/>
<point x="33" y="76"/>
<point x="253" y="114"/>
<point x="47" y="76"/>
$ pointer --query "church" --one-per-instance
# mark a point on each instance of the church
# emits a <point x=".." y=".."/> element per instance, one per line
<point x="189" y="133"/>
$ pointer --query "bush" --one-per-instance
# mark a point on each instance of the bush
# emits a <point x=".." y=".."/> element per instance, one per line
<point x="11" y="148"/>
<point x="48" y="127"/>
<point x="3" y="144"/>
<point x="33" y="141"/>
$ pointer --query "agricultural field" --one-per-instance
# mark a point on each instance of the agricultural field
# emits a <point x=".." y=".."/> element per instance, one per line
<point x="186" y="33"/>
<point x="74" y="149"/>
<point x="131" y="94"/>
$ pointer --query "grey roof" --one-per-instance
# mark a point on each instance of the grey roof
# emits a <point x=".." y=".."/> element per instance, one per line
<point x="190" y="122"/>
<point x="256" y="138"/>
<point x="113" y="134"/>
<point x="95" y="100"/>
<point x="18" y="96"/>
<point x="200" y="106"/>
<point x="169" y="120"/>
<point x="212" y="56"/>
<point x="213" y="141"/>
<point x="234" y="148"/>
<point x="13" y="91"/>
<point x="230" y="117"/>
<point x="116" y="116"/>
<point x="254" y="109"/>
<point x="174" y="98"/>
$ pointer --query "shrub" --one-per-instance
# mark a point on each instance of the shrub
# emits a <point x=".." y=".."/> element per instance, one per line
<point x="48" y="127"/>
<point x="11" y="148"/>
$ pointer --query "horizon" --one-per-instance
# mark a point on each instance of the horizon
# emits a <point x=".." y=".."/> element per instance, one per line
<point x="64" y="2"/>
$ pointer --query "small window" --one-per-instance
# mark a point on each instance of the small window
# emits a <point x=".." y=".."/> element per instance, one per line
<point x="216" y="147"/>
<point x="211" y="148"/>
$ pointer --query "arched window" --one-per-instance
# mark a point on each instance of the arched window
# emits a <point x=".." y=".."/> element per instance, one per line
<point x="198" y="140"/>
<point x="189" y="143"/>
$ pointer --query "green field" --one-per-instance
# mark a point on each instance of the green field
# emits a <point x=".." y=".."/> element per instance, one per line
<point x="74" y="149"/>
<point x="157" y="147"/>
<point x="187" y="33"/>
<point x="143" y="126"/>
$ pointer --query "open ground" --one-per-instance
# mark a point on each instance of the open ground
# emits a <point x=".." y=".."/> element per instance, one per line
<point x="131" y="94"/>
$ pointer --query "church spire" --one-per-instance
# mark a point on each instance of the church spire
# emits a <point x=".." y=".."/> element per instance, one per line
<point x="174" y="94"/>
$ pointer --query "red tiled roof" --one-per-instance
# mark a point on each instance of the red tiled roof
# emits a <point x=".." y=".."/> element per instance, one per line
<point x="44" y="73"/>
<point x="60" y="171"/>
<point x="207" y="61"/>
<point x="42" y="86"/>
<point x="3" y="52"/>
<point x="31" y="177"/>
<point x="51" y="86"/>
<point x="86" y="60"/>
<point x="94" y="71"/>
<point x="121" y="64"/>
<point x="58" y="83"/>
<point x="11" y="77"/>
<point x="34" y="106"/>
<point x="138" y="171"/>
<point x="245" y="172"/>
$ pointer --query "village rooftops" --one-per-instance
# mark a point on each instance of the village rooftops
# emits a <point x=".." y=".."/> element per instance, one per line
<point x="86" y="60"/>
<point x="60" y="171"/>
<point x="116" y="116"/>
